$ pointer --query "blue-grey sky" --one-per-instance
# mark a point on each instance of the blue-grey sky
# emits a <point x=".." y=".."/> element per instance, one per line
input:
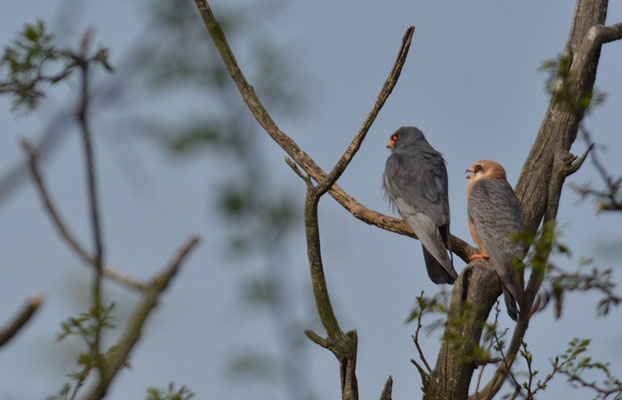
<point x="470" y="83"/>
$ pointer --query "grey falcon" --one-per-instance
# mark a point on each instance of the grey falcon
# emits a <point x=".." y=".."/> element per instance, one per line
<point x="415" y="182"/>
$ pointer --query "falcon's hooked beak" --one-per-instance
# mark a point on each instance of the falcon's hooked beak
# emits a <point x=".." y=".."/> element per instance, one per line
<point x="390" y="144"/>
<point x="470" y="172"/>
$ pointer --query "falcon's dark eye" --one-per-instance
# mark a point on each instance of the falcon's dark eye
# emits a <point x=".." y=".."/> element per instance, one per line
<point x="477" y="168"/>
<point x="395" y="137"/>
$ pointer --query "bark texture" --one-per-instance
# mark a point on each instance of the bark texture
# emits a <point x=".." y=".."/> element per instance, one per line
<point x="473" y="296"/>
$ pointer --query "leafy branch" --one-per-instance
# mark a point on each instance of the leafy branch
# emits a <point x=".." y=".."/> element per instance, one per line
<point x="574" y="368"/>
<point x="598" y="280"/>
<point x="425" y="305"/>
<point x="28" y="60"/>
<point x="571" y="365"/>
<point x="183" y="393"/>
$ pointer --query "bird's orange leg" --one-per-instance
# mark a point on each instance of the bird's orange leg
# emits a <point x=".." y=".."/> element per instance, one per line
<point x="480" y="256"/>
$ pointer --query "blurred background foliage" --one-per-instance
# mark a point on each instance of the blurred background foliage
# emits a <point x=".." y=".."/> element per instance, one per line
<point x="256" y="213"/>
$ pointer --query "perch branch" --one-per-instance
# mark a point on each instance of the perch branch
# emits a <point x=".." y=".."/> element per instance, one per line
<point x="21" y="319"/>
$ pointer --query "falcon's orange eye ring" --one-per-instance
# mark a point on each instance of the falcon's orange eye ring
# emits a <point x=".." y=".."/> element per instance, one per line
<point x="395" y="137"/>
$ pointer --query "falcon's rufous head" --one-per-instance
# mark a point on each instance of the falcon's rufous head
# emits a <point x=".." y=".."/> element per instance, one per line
<point x="485" y="169"/>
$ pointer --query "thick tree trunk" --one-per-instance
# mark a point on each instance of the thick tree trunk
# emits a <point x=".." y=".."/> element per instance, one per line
<point x="558" y="131"/>
<point x="538" y="189"/>
<point x="474" y="293"/>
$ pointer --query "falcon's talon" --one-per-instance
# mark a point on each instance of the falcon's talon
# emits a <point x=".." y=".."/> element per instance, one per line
<point x="480" y="257"/>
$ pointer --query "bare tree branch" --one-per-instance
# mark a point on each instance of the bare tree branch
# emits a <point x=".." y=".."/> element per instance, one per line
<point x="424" y="373"/>
<point x="117" y="356"/>
<point x="20" y="320"/>
<point x="506" y="362"/>
<point x="387" y="88"/>
<point x="415" y="338"/>
<point x="62" y="228"/>
<point x="606" y="34"/>
<point x="343" y="345"/>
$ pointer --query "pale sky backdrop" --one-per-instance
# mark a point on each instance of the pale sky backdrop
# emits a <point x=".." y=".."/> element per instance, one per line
<point x="470" y="83"/>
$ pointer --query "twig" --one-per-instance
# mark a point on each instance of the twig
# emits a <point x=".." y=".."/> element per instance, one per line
<point x="82" y="117"/>
<point x="415" y="338"/>
<point x="479" y="376"/>
<point x="483" y="366"/>
<point x="387" y="88"/>
<point x="565" y="281"/>
<point x="592" y="385"/>
<point x="506" y="361"/>
<point x="117" y="355"/>
<point x="458" y="246"/>
<point x="526" y="355"/>
<point x="21" y="319"/>
<point x="63" y="230"/>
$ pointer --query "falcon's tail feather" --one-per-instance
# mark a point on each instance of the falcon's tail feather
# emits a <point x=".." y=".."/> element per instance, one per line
<point x="510" y="303"/>
<point x="437" y="272"/>
<point x="439" y="266"/>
